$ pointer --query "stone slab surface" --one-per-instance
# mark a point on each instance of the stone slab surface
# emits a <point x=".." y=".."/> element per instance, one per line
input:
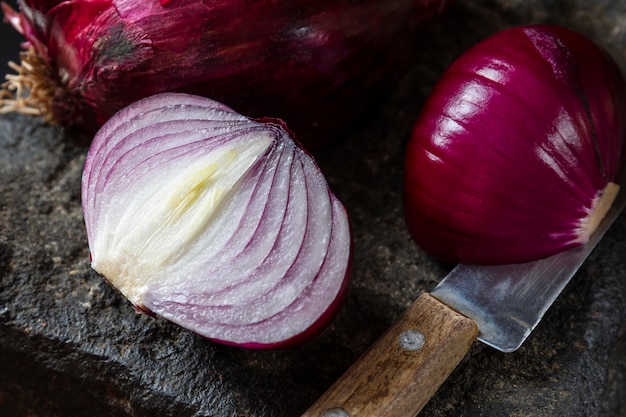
<point x="72" y="346"/>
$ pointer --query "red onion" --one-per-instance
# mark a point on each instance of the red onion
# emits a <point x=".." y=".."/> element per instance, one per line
<point x="315" y="64"/>
<point x="216" y="222"/>
<point x="519" y="149"/>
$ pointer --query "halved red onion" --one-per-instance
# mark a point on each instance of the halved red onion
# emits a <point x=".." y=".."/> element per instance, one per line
<point x="518" y="152"/>
<point x="215" y="221"/>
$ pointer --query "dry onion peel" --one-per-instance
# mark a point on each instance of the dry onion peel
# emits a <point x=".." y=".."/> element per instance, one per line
<point x="216" y="222"/>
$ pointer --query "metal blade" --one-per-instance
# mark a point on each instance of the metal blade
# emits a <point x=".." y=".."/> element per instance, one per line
<point x="508" y="301"/>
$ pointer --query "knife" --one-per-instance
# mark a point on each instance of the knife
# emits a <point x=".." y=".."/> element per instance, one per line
<point x="499" y="305"/>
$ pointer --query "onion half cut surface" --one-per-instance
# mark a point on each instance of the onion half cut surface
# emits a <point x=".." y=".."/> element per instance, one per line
<point x="216" y="222"/>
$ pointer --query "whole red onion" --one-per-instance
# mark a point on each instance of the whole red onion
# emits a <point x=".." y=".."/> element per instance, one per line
<point x="519" y="149"/>
<point x="315" y="64"/>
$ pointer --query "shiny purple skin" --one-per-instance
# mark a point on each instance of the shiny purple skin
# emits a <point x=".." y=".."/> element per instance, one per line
<point x="317" y="65"/>
<point x="516" y="141"/>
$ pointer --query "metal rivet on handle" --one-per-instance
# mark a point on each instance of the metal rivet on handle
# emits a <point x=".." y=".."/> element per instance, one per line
<point x="411" y="340"/>
<point x="335" y="412"/>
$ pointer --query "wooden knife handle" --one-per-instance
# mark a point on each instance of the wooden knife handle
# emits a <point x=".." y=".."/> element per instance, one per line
<point x="401" y="371"/>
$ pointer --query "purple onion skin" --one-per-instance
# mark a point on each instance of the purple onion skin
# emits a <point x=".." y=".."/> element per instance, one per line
<point x="315" y="64"/>
<point x="517" y="139"/>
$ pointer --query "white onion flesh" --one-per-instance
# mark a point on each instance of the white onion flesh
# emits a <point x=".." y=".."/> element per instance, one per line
<point x="214" y="221"/>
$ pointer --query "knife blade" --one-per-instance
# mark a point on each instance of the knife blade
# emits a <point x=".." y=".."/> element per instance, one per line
<point x="499" y="305"/>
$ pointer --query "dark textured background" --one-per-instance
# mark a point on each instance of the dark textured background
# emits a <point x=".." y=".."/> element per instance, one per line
<point x="9" y="41"/>
<point x="71" y="346"/>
